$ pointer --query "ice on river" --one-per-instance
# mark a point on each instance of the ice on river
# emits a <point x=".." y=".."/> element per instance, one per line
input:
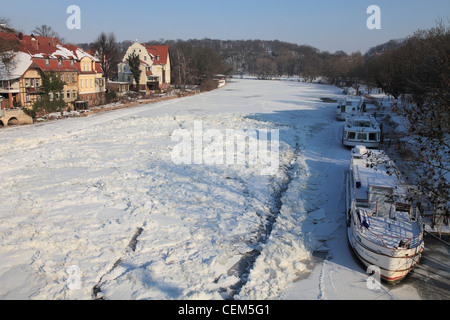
<point x="96" y="207"/>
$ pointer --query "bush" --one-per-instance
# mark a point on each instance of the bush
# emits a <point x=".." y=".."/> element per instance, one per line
<point x="30" y="112"/>
<point x="45" y="105"/>
<point x="110" y="96"/>
<point x="208" y="85"/>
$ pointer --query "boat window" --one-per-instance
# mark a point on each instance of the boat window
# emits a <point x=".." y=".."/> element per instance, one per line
<point x="351" y="135"/>
<point x="362" y="136"/>
<point x="373" y="136"/>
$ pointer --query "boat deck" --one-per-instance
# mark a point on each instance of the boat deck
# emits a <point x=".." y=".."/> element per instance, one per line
<point x="380" y="193"/>
<point x="389" y="233"/>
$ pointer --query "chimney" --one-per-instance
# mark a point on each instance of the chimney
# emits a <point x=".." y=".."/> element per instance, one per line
<point x="34" y="42"/>
<point x="20" y="36"/>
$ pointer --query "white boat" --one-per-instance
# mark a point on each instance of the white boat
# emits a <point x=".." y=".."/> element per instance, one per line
<point x="350" y="105"/>
<point x="361" y="130"/>
<point x="384" y="228"/>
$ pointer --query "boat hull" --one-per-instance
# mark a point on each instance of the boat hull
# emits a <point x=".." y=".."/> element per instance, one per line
<point x="368" y="144"/>
<point x="394" y="264"/>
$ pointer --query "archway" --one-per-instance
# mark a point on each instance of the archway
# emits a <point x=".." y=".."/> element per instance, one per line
<point x="13" y="121"/>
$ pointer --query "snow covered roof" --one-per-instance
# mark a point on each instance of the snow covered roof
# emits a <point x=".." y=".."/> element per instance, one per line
<point x="45" y="52"/>
<point x="20" y="63"/>
<point x="374" y="168"/>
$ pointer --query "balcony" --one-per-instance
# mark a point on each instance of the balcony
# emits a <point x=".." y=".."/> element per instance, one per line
<point x="9" y="86"/>
<point x="34" y="90"/>
<point x="9" y="90"/>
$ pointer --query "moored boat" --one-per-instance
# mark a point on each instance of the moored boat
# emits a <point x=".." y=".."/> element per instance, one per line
<point x="361" y="130"/>
<point x="350" y="105"/>
<point x="384" y="228"/>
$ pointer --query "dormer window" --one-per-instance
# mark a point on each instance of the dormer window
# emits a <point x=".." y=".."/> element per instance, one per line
<point x="59" y="62"/>
<point x="47" y="62"/>
<point x="72" y="63"/>
<point x="157" y="58"/>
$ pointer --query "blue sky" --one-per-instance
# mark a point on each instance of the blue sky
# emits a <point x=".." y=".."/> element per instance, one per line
<point x="328" y="25"/>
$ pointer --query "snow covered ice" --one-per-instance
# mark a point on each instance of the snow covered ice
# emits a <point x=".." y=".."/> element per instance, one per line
<point x="99" y="200"/>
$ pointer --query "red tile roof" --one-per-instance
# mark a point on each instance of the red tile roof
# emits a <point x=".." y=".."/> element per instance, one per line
<point x="161" y="51"/>
<point x="45" y="48"/>
<point x="53" y="65"/>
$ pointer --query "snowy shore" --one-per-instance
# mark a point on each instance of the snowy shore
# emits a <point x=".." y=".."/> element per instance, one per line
<point x="96" y="208"/>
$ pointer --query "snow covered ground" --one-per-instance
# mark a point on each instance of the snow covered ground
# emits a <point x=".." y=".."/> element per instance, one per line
<point x="96" y="207"/>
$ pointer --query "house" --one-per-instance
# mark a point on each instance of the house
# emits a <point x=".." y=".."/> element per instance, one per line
<point x="20" y="81"/>
<point x="154" y="66"/>
<point x="120" y="88"/>
<point x="91" y="82"/>
<point x="12" y="87"/>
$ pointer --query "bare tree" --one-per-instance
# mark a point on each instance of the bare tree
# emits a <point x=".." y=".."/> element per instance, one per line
<point x="428" y="82"/>
<point x="181" y="68"/>
<point x="266" y="68"/>
<point x="107" y="50"/>
<point x="45" y="31"/>
<point x="5" y="26"/>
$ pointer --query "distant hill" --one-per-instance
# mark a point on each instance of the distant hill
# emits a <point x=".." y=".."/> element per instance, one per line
<point x="392" y="44"/>
<point x="264" y="58"/>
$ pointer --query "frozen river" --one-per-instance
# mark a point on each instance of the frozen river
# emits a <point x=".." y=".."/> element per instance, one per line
<point x="155" y="202"/>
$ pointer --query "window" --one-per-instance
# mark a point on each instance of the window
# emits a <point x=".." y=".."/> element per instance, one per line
<point x="86" y="83"/>
<point x="67" y="77"/>
<point x="47" y="62"/>
<point x="373" y="136"/>
<point x="81" y="82"/>
<point x="74" y="94"/>
<point x="68" y="94"/>
<point x="351" y="135"/>
<point x="59" y="62"/>
<point x="37" y="83"/>
<point x="362" y="136"/>
<point x="72" y="63"/>
<point x="74" y="79"/>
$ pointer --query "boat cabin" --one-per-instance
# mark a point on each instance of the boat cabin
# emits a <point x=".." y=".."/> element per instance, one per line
<point x="349" y="106"/>
<point x="361" y="130"/>
<point x="378" y="185"/>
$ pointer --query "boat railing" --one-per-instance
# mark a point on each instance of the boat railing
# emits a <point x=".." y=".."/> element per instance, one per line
<point x="366" y="228"/>
<point x="398" y="243"/>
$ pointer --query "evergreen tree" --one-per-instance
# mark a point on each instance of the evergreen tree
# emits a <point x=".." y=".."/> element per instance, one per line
<point x="134" y="63"/>
<point x="52" y="86"/>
